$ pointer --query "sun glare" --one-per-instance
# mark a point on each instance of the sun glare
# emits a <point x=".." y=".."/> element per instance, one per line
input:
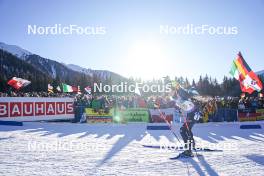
<point x="146" y="59"/>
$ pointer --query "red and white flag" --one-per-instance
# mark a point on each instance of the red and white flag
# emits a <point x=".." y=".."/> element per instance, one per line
<point x="74" y="89"/>
<point x="249" y="81"/>
<point x="18" y="83"/>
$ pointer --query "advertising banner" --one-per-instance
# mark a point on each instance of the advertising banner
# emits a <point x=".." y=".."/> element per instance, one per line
<point x="260" y="110"/>
<point x="155" y="115"/>
<point x="251" y="114"/>
<point x="35" y="108"/>
<point x="260" y="114"/>
<point x="247" y="116"/>
<point x="98" y="117"/>
<point x="131" y="115"/>
<point x="170" y="114"/>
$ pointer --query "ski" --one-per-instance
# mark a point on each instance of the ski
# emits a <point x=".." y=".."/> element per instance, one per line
<point x="183" y="156"/>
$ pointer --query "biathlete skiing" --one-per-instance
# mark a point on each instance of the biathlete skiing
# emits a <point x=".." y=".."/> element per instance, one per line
<point x="191" y="114"/>
<point x="186" y="132"/>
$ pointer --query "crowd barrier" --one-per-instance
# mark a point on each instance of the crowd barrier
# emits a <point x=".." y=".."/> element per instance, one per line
<point x="171" y="115"/>
<point x="41" y="108"/>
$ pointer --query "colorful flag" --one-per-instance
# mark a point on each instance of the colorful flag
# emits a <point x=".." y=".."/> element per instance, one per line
<point x="58" y="89"/>
<point x="66" y="88"/>
<point x="88" y="89"/>
<point x="249" y="81"/>
<point x="74" y="89"/>
<point x="50" y="88"/>
<point x="79" y="90"/>
<point x="18" y="83"/>
<point x="234" y="71"/>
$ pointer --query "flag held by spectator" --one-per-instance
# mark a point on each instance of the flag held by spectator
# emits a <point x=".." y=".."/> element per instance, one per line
<point x="18" y="83"/>
<point x="249" y="81"/>
<point x="74" y="89"/>
<point x="67" y="88"/>
<point x="79" y="90"/>
<point x="234" y="71"/>
<point x="50" y="88"/>
<point x="58" y="89"/>
<point x="88" y="89"/>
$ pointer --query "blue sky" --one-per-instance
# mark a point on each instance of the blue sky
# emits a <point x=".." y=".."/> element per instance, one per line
<point x="133" y="45"/>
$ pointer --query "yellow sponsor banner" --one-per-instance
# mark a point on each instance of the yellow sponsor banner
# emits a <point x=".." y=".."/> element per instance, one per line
<point x="260" y="111"/>
<point x="100" y="116"/>
<point x="100" y="112"/>
<point x="260" y="117"/>
<point x="99" y="120"/>
<point x="261" y="114"/>
<point x="242" y="119"/>
<point x="132" y="115"/>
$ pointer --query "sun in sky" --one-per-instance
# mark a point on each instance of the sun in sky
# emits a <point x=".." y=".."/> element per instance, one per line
<point x="146" y="59"/>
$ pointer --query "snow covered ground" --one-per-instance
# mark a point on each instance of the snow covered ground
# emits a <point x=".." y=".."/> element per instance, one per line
<point x="105" y="149"/>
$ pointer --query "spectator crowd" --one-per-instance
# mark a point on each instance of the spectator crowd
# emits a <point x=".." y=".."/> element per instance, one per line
<point x="208" y="107"/>
<point x="136" y="101"/>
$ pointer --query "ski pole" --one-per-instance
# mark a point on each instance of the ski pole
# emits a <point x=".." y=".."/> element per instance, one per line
<point x="169" y="125"/>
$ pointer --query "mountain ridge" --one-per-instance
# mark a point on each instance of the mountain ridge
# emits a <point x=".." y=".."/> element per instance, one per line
<point x="49" y="65"/>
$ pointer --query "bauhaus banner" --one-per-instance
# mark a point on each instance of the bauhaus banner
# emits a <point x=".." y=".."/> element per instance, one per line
<point x="35" y="108"/>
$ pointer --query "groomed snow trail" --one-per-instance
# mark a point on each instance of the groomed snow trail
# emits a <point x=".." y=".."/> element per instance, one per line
<point x="81" y="149"/>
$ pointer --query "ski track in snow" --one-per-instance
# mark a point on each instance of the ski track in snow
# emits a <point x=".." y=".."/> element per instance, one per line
<point x="117" y="150"/>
